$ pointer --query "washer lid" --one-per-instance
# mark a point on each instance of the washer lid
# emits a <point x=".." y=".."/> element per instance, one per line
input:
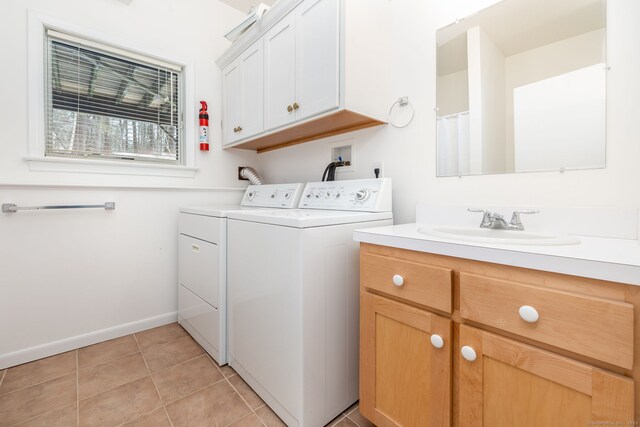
<point x="305" y="218"/>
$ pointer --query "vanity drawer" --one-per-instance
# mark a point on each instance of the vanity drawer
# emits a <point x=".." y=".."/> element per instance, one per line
<point x="594" y="327"/>
<point x="420" y="283"/>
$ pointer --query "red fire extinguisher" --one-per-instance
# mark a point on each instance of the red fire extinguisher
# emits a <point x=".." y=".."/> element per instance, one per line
<point x="204" y="127"/>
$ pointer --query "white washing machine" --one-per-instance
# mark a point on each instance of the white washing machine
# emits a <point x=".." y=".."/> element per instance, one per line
<point x="293" y="298"/>
<point x="202" y="263"/>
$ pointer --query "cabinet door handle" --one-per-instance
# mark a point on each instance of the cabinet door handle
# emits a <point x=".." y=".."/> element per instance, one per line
<point x="195" y="248"/>
<point x="528" y="314"/>
<point x="289" y="108"/>
<point x="239" y="128"/>
<point x="437" y="341"/>
<point x="468" y="353"/>
<point x="398" y="280"/>
<point x="235" y="130"/>
<point x="295" y="106"/>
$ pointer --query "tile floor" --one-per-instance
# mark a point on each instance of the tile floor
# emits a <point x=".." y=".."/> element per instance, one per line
<point x="159" y="377"/>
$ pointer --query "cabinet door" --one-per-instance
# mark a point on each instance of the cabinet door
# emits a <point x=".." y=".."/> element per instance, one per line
<point x="279" y="69"/>
<point x="252" y="88"/>
<point x="232" y="102"/>
<point x="513" y="384"/>
<point x="317" y="57"/>
<point x="404" y="379"/>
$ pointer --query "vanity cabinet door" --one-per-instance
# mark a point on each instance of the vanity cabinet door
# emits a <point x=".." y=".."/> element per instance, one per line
<point x="504" y="383"/>
<point x="405" y="364"/>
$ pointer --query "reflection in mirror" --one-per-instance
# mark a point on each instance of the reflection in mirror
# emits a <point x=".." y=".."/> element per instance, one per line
<point x="521" y="87"/>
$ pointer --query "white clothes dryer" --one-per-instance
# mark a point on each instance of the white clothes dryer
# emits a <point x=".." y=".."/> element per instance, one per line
<point x="202" y="263"/>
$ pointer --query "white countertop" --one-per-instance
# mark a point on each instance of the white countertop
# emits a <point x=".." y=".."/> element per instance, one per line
<point x="616" y="260"/>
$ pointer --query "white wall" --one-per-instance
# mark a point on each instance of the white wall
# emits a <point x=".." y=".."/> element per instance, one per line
<point x="65" y="274"/>
<point x="453" y="93"/>
<point x="409" y="154"/>
<point x="544" y="62"/>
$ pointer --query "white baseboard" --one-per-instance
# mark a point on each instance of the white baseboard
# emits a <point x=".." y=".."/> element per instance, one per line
<point x="56" y="347"/>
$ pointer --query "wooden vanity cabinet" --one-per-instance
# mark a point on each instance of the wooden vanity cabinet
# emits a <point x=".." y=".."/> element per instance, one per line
<point x="572" y="365"/>
<point x="514" y="384"/>
<point x="405" y="379"/>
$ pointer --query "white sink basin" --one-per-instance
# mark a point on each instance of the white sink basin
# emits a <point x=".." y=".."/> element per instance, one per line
<point x="499" y="237"/>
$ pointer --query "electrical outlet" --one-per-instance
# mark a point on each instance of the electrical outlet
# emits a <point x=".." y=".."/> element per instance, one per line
<point x="378" y="165"/>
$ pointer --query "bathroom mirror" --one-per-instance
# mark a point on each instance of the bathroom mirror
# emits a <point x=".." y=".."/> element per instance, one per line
<point x="521" y="87"/>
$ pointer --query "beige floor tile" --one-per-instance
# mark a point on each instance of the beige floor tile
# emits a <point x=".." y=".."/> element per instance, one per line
<point x="63" y="417"/>
<point x="250" y="420"/>
<point x="106" y="376"/>
<point x="216" y="405"/>
<point x="268" y="417"/>
<point x="157" y="418"/>
<point x="163" y="356"/>
<point x="160" y="335"/>
<point x="30" y="402"/>
<point x="350" y="408"/>
<point x="334" y="422"/>
<point x="359" y="419"/>
<point x="345" y="422"/>
<point x="185" y="378"/>
<point x="246" y="392"/>
<point x="39" y="371"/>
<point x="120" y="405"/>
<point x="227" y="371"/>
<point x="106" y="351"/>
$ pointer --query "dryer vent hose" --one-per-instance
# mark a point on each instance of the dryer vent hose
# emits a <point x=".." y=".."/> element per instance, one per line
<point x="251" y="175"/>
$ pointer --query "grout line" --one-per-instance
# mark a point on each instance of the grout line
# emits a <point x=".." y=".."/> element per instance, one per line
<point x="77" y="389"/>
<point x="245" y="402"/>
<point x="152" y="380"/>
<point x="107" y="361"/>
<point x="35" y="384"/>
<point x="163" y="343"/>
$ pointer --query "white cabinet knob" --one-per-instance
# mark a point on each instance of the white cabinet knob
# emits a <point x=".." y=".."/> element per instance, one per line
<point x="398" y="280"/>
<point x="468" y="353"/>
<point x="529" y="314"/>
<point x="437" y="341"/>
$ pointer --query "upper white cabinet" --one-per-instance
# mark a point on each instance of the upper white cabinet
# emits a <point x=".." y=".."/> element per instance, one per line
<point x="323" y="71"/>
<point x="243" y="93"/>
<point x="280" y="73"/>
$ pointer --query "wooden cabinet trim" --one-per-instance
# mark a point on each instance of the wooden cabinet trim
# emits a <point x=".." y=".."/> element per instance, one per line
<point x="547" y="365"/>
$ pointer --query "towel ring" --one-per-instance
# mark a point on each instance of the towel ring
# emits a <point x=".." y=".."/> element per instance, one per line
<point x="402" y="102"/>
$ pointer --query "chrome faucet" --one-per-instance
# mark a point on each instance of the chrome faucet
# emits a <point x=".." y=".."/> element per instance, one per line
<point x="497" y="222"/>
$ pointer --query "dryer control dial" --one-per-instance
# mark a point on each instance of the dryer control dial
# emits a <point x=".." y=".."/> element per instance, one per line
<point x="362" y="195"/>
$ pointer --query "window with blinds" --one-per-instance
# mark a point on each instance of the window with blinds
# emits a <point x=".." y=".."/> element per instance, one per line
<point x="107" y="103"/>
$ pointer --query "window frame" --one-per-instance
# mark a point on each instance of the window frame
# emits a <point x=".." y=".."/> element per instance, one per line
<point x="37" y="84"/>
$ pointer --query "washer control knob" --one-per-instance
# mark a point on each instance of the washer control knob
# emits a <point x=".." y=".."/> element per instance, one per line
<point x="317" y="195"/>
<point x="308" y="195"/>
<point x="287" y="196"/>
<point x="327" y="194"/>
<point x="251" y="195"/>
<point x="273" y="196"/>
<point x="362" y="195"/>
<point x="337" y="196"/>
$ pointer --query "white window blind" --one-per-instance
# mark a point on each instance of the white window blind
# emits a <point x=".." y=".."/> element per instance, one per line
<point x="106" y="103"/>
